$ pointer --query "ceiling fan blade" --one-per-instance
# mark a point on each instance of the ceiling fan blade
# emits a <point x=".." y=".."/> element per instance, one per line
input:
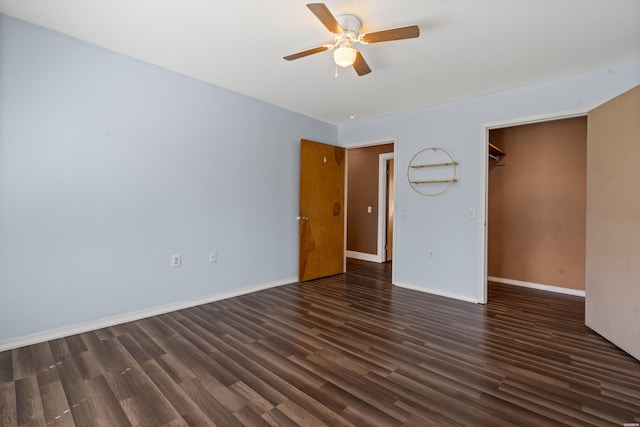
<point x="360" y="65"/>
<point x="307" y="52"/>
<point x="410" y="32"/>
<point x="325" y="16"/>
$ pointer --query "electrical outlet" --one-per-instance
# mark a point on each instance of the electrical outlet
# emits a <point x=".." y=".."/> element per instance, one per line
<point x="430" y="255"/>
<point x="213" y="256"/>
<point x="176" y="260"/>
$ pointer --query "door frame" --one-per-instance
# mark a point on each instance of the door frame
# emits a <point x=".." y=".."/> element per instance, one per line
<point x="382" y="203"/>
<point x="484" y="191"/>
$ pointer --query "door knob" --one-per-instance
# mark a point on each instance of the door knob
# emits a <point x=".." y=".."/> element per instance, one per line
<point x="303" y="218"/>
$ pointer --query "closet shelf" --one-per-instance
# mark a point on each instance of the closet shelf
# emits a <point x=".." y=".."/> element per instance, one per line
<point x="496" y="153"/>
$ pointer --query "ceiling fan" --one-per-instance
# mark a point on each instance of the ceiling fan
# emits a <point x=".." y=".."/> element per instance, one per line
<point x="345" y="29"/>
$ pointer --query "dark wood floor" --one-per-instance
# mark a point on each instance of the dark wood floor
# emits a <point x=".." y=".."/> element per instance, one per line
<point x="346" y="350"/>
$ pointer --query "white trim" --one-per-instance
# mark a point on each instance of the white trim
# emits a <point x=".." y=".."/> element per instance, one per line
<point x="538" y="118"/>
<point x="134" y="315"/>
<point x="436" y="292"/>
<point x="382" y="203"/>
<point x="395" y="209"/>
<point x="363" y="256"/>
<point x="482" y="217"/>
<point x="538" y="286"/>
<point x="484" y="193"/>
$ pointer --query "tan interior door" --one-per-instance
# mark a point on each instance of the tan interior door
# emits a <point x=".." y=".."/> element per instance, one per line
<point x="613" y="221"/>
<point x="321" y="210"/>
<point x="389" y="244"/>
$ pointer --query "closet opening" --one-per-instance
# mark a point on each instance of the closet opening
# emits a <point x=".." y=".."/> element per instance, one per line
<point x="536" y="205"/>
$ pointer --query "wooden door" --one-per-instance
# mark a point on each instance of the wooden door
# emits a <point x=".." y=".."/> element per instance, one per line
<point x="389" y="244"/>
<point x="321" y="241"/>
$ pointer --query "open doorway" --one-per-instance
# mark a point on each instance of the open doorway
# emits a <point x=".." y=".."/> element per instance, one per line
<point x="370" y="195"/>
<point x="536" y="206"/>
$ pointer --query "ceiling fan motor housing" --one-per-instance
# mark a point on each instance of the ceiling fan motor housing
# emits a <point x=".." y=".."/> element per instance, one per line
<point x="350" y="24"/>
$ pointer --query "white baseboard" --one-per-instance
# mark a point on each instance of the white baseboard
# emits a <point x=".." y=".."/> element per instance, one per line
<point x="436" y="292"/>
<point x="539" y="286"/>
<point x="134" y="315"/>
<point x="363" y="256"/>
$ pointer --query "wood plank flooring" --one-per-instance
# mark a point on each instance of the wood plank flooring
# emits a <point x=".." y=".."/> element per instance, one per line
<point x="345" y="350"/>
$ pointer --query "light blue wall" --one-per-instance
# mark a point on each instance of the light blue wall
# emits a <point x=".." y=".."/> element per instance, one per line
<point x="441" y="224"/>
<point x="109" y="165"/>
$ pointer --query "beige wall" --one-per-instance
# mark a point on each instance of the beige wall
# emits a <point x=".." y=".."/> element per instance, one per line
<point x="613" y="221"/>
<point x="362" y="191"/>
<point x="537" y="204"/>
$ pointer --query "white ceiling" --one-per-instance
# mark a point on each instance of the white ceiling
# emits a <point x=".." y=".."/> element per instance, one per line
<point x="466" y="47"/>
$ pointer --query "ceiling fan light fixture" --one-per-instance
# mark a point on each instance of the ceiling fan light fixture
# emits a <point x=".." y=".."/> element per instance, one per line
<point x="344" y="56"/>
<point x="346" y="31"/>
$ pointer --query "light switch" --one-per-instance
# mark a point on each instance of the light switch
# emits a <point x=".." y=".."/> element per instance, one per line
<point x="368" y="209"/>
